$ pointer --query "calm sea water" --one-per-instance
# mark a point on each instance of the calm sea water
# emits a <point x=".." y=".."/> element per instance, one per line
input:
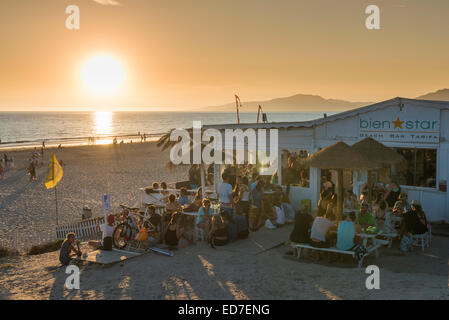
<point x="30" y="128"/>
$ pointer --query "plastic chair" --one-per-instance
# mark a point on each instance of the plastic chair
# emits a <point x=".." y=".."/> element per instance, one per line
<point x="421" y="240"/>
<point x="429" y="228"/>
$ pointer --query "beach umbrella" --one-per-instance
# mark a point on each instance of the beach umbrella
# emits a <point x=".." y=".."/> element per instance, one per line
<point x="379" y="153"/>
<point x="340" y="156"/>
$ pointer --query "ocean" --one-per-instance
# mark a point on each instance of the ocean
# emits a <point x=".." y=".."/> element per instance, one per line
<point x="27" y="129"/>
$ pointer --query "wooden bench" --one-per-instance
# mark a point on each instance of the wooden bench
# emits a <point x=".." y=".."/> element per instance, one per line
<point x="370" y="249"/>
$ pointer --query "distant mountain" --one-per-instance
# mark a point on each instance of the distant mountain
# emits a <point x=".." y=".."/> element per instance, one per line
<point x="442" y="95"/>
<point x="298" y="102"/>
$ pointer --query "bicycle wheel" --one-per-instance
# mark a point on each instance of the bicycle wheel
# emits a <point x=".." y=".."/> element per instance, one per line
<point x="122" y="234"/>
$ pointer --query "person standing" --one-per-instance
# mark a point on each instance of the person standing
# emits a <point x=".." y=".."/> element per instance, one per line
<point x="32" y="171"/>
<point x="225" y="194"/>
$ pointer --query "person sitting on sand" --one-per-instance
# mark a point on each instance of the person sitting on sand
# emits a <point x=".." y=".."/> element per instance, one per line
<point x="218" y="235"/>
<point x="174" y="231"/>
<point x="107" y="229"/>
<point x="183" y="198"/>
<point x="172" y="204"/>
<point x="204" y="215"/>
<point x="231" y="226"/>
<point x="1" y="171"/>
<point x="269" y="214"/>
<point x="280" y="215"/>
<point x="67" y="248"/>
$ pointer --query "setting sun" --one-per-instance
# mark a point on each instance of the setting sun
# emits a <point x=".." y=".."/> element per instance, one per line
<point x="103" y="75"/>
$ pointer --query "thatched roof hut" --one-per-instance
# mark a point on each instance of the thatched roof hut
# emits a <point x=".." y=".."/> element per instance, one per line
<point x="340" y="156"/>
<point x="377" y="152"/>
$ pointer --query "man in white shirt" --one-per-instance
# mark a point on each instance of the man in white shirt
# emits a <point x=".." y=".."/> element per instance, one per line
<point x="225" y="194"/>
<point x="107" y="229"/>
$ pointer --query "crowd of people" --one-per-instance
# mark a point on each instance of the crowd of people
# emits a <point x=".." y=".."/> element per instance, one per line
<point x="246" y="204"/>
<point x="390" y="212"/>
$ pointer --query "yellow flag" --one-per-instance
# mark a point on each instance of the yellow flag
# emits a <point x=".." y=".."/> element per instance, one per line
<point x="54" y="174"/>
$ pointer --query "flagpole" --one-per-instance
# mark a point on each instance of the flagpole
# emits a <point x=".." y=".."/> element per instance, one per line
<point x="56" y="192"/>
<point x="56" y="201"/>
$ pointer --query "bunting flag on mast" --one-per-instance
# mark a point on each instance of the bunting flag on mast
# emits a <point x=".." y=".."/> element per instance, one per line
<point x="238" y="105"/>
<point x="54" y="174"/>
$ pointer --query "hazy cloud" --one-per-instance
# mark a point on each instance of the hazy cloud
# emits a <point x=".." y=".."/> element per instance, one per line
<point x="107" y="2"/>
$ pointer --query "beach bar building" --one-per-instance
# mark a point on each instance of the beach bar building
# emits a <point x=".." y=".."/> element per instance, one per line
<point x="417" y="129"/>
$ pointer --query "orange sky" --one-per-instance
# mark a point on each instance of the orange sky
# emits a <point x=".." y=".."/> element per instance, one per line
<point x="192" y="53"/>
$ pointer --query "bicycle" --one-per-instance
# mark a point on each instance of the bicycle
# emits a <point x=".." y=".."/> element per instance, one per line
<point x="128" y="230"/>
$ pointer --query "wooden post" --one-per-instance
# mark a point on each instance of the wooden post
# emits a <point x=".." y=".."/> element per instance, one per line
<point x="340" y="195"/>
<point x="370" y="191"/>
<point x="203" y="181"/>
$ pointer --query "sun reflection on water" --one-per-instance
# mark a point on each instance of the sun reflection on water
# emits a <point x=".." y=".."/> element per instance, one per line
<point x="103" y="123"/>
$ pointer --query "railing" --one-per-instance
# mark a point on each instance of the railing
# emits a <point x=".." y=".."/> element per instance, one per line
<point x="84" y="230"/>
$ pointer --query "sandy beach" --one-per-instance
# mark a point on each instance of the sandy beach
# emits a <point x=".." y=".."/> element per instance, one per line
<point x="232" y="272"/>
<point x="89" y="172"/>
<point x="237" y="271"/>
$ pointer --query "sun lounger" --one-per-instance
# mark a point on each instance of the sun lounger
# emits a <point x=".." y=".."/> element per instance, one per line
<point x="370" y="249"/>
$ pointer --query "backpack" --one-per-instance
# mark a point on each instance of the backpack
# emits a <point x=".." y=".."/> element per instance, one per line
<point x="406" y="244"/>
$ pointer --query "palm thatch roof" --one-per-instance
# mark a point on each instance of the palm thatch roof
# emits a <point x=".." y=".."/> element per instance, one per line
<point x="340" y="156"/>
<point x="377" y="152"/>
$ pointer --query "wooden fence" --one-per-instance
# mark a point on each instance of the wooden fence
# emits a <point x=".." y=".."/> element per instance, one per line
<point x="84" y="230"/>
